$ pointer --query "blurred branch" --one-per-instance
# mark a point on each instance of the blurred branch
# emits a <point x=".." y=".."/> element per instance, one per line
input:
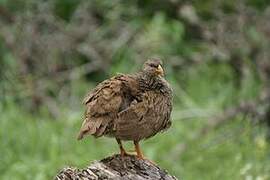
<point x="6" y="15"/>
<point x="191" y="114"/>
<point x="79" y="71"/>
<point x="257" y="109"/>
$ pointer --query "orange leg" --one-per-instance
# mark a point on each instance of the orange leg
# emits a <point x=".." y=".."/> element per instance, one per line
<point x="122" y="150"/>
<point x="138" y="150"/>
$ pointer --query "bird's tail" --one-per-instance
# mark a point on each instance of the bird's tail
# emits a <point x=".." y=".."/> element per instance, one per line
<point x="89" y="127"/>
<point x="80" y="135"/>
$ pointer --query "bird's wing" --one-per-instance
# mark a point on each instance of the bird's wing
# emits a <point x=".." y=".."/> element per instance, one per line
<point x="104" y="102"/>
<point x="145" y="118"/>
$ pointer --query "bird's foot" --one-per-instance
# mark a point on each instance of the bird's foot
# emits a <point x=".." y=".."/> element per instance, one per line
<point x="140" y="154"/>
<point x="132" y="152"/>
<point x="146" y="159"/>
<point x="124" y="153"/>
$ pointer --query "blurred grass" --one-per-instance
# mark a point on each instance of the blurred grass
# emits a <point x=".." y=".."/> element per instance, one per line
<point x="34" y="148"/>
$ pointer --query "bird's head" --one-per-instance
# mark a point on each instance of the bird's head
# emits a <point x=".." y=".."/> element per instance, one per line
<point x="153" y="67"/>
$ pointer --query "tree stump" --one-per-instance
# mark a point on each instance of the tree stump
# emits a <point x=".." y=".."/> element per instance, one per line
<point x="116" y="167"/>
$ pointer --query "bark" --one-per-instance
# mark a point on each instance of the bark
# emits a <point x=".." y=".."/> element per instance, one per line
<point x="116" y="167"/>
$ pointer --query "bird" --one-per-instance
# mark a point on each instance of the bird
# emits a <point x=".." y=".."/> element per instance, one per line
<point x="129" y="107"/>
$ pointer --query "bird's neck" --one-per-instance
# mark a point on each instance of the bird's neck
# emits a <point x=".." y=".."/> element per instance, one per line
<point x="153" y="82"/>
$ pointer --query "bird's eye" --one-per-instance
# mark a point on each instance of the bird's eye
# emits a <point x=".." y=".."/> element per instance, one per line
<point x="153" y="65"/>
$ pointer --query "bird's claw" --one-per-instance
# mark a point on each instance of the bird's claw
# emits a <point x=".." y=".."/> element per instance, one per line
<point x="124" y="153"/>
<point x="146" y="159"/>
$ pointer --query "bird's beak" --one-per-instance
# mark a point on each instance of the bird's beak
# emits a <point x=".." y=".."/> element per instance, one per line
<point x="160" y="71"/>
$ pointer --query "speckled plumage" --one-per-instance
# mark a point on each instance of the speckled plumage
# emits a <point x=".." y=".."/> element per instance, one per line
<point x="129" y="107"/>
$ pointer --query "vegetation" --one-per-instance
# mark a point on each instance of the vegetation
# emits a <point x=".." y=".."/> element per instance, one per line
<point x="216" y="57"/>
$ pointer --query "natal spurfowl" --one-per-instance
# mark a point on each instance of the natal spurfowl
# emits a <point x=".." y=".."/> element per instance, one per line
<point x="129" y="107"/>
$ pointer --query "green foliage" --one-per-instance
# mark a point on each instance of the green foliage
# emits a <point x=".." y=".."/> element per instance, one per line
<point x="65" y="8"/>
<point x="64" y="48"/>
<point x="260" y="4"/>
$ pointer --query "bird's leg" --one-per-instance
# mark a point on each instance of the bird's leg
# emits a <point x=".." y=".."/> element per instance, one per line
<point x="138" y="150"/>
<point x="122" y="150"/>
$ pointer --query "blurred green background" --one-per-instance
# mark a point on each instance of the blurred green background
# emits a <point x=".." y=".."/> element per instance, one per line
<point x="216" y="56"/>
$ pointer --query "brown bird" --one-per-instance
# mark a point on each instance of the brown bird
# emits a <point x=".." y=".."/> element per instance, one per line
<point x="129" y="107"/>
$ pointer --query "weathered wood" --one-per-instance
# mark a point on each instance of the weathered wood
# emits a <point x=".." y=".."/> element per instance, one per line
<point x="116" y="167"/>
